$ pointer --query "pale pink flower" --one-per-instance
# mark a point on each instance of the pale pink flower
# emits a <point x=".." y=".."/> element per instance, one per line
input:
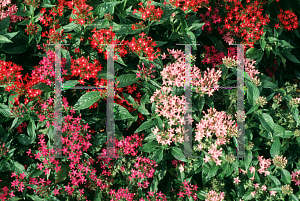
<point x="236" y="180"/>
<point x="272" y="193"/>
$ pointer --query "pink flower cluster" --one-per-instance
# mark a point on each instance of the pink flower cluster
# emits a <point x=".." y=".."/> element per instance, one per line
<point x="295" y="177"/>
<point x="171" y="107"/>
<point x="121" y="194"/>
<point x="218" y="124"/>
<point x="264" y="165"/>
<point x="174" y="75"/>
<point x="188" y="190"/>
<point x="214" y="196"/>
<point x="11" y="10"/>
<point x="145" y="73"/>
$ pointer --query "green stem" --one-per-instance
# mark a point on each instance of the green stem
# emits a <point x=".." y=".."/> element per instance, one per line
<point x="274" y="170"/>
<point x="251" y="117"/>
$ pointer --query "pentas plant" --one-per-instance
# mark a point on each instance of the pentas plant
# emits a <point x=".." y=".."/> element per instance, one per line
<point x="150" y="106"/>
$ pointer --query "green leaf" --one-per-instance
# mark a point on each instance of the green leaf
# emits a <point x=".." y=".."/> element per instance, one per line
<point x="285" y="176"/>
<point x="4" y="39"/>
<point x="4" y="23"/>
<point x="35" y="173"/>
<point x="121" y="113"/>
<point x="145" y="125"/>
<point x="5" y="111"/>
<point x="160" y="43"/>
<point x="15" y="198"/>
<point x="158" y="155"/>
<point x="106" y="7"/>
<point x="126" y="80"/>
<point x="255" y="54"/>
<point x="22" y="14"/>
<point x="50" y="132"/>
<point x="275" y="148"/>
<point x="70" y="27"/>
<point x="87" y="99"/>
<point x="149" y="147"/>
<point x="291" y="57"/>
<point x="196" y="26"/>
<point x="248" y="159"/>
<point x="253" y="108"/>
<point x="267" y="122"/>
<point x="293" y="197"/>
<point x="213" y="171"/>
<point x="36" y="198"/>
<point x="174" y="35"/>
<point x="43" y="87"/>
<point x="252" y="92"/>
<point x="63" y="174"/>
<point x="31" y="130"/>
<point x="69" y="83"/>
<point x="16" y="167"/>
<point x="190" y="38"/>
<point x="17" y="47"/>
<point x="24" y="139"/>
<point x="100" y="139"/>
<point x="130" y="100"/>
<point x="177" y="153"/>
<point x="183" y="24"/>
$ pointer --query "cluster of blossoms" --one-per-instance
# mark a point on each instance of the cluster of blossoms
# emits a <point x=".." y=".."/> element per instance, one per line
<point x="85" y="70"/>
<point x="264" y="165"/>
<point x="246" y="22"/>
<point x="294" y="102"/>
<point x="171" y="107"/>
<point x="149" y="12"/>
<point x="145" y="73"/>
<point x="287" y="189"/>
<point x="181" y="167"/>
<point x="121" y="194"/>
<point x="261" y="101"/>
<point x="213" y="19"/>
<point x="295" y="177"/>
<point x="174" y="75"/>
<point x="218" y="124"/>
<point x="279" y="161"/>
<point x="288" y="20"/>
<point x="31" y="29"/>
<point x="188" y="4"/>
<point x="141" y="46"/>
<point x="139" y="25"/>
<point x="189" y="190"/>
<point x="8" y="9"/>
<point x="82" y="13"/>
<point x="142" y="171"/>
<point x="213" y="195"/>
<point x="3" y="149"/>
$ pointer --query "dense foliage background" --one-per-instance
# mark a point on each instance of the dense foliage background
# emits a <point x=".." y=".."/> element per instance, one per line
<point x="149" y="100"/>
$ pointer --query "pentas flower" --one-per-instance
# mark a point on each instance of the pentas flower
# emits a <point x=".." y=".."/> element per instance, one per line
<point x="145" y="73"/>
<point x="174" y="75"/>
<point x="188" y="190"/>
<point x="214" y="196"/>
<point x="82" y="13"/>
<point x="103" y="36"/>
<point x="7" y="9"/>
<point x="217" y="124"/>
<point x="264" y="165"/>
<point x="139" y="25"/>
<point x="85" y="70"/>
<point x="31" y="29"/>
<point x="3" y="150"/>
<point x="288" y="20"/>
<point x="246" y="22"/>
<point x="212" y="19"/>
<point x="143" y="47"/>
<point x="211" y="56"/>
<point x="295" y="177"/>
<point x="149" y="12"/>
<point x="188" y="4"/>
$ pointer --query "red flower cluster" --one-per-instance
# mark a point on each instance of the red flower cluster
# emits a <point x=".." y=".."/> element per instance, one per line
<point x="104" y="36"/>
<point x="212" y="57"/>
<point x="188" y="4"/>
<point x="31" y="29"/>
<point x="81" y="11"/>
<point x="288" y="20"/>
<point x="139" y="25"/>
<point x="214" y="18"/>
<point x="247" y="21"/>
<point x="85" y="70"/>
<point x="143" y="45"/>
<point x="149" y="12"/>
